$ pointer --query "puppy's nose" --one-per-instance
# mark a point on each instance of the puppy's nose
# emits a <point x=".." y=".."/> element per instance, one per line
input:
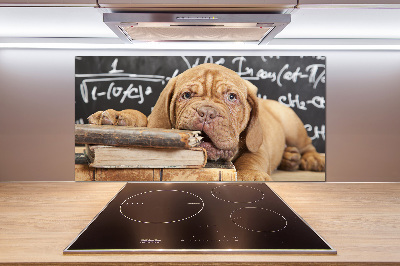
<point x="207" y="113"/>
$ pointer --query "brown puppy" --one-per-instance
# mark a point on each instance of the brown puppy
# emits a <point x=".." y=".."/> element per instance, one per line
<point x="257" y="135"/>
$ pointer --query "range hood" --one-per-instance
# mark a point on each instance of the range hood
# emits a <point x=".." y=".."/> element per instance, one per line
<point x="257" y="28"/>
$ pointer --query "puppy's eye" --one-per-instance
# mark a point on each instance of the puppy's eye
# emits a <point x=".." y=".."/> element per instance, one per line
<point x="186" y="95"/>
<point x="232" y="97"/>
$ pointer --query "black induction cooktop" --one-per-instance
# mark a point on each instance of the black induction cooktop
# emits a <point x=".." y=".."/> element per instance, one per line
<point x="198" y="217"/>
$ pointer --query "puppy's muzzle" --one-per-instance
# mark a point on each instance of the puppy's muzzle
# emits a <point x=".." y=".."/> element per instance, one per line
<point x="207" y="113"/>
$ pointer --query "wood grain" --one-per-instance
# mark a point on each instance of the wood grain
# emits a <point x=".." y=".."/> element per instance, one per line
<point x="360" y="220"/>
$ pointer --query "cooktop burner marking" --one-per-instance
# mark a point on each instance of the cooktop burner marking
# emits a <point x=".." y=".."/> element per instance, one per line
<point x="135" y="208"/>
<point x="237" y="194"/>
<point x="258" y="219"/>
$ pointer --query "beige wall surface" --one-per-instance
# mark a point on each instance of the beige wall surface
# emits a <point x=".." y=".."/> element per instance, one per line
<point x="37" y="111"/>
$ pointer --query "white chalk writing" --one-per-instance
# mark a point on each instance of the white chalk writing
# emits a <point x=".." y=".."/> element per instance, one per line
<point x="317" y="101"/>
<point x="314" y="77"/>
<point x="113" y="91"/>
<point x="132" y="91"/>
<point x="294" y="101"/>
<point x="315" y="132"/>
<point x="114" y="67"/>
<point x="207" y="59"/>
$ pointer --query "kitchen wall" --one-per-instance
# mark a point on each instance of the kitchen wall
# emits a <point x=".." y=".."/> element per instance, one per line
<point x="37" y="111"/>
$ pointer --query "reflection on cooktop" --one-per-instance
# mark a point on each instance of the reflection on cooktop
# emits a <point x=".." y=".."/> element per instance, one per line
<point x="198" y="217"/>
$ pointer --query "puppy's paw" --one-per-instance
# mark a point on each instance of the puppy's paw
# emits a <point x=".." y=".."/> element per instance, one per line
<point x="126" y="117"/>
<point x="108" y="117"/>
<point x="313" y="161"/>
<point x="252" y="175"/>
<point x="94" y="119"/>
<point x="290" y="159"/>
<point x="131" y="117"/>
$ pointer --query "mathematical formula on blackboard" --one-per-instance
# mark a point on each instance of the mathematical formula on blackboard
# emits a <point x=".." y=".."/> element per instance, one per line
<point x="135" y="82"/>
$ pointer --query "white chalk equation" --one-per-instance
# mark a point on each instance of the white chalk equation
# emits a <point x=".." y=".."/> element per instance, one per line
<point x="293" y="101"/>
<point x="315" y="132"/>
<point x="111" y="91"/>
<point x="314" y="73"/>
<point x="90" y="89"/>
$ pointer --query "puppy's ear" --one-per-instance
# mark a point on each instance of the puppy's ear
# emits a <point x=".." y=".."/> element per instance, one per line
<point x="254" y="133"/>
<point x="160" y="117"/>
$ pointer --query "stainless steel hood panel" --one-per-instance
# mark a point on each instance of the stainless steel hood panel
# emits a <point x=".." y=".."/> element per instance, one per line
<point x="271" y="4"/>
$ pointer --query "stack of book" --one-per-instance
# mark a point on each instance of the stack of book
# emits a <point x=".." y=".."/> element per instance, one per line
<point x="144" y="154"/>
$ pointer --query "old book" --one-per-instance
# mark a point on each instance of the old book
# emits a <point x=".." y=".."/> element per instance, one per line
<point x="126" y="174"/>
<point x="84" y="173"/>
<point x="133" y="157"/>
<point x="212" y="171"/>
<point x="207" y="174"/>
<point x="136" y="136"/>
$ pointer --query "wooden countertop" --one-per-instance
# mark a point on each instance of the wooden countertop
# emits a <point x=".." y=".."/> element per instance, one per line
<point x="360" y="220"/>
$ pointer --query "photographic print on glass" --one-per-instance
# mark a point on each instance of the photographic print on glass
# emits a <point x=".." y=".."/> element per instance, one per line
<point x="215" y="100"/>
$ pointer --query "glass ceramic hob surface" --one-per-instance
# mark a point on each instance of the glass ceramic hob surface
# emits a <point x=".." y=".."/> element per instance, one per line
<point x="198" y="217"/>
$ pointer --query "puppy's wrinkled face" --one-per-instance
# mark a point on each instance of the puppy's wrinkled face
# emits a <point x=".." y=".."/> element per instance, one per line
<point x="212" y="99"/>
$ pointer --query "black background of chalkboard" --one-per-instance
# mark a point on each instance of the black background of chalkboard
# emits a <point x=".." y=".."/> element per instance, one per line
<point x="134" y="82"/>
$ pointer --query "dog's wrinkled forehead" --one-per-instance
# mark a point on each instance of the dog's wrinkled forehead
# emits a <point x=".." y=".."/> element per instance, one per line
<point x="209" y="75"/>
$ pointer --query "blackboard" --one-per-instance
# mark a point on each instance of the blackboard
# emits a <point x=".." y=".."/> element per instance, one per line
<point x="134" y="82"/>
